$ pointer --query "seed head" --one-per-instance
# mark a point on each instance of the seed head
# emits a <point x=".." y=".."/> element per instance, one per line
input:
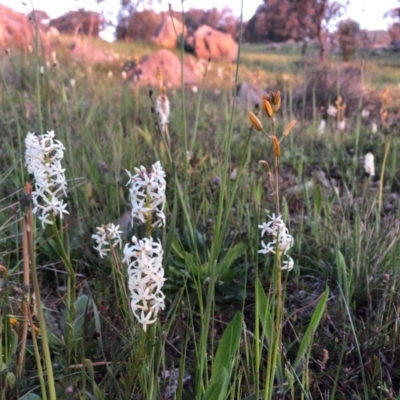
<point x="267" y="107"/>
<point x="255" y="122"/>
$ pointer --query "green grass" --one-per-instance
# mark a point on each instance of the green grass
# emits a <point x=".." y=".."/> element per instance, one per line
<point x="221" y="298"/>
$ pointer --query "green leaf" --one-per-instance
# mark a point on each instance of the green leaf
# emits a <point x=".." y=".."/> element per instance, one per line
<point x="342" y="274"/>
<point x="232" y="255"/>
<point x="313" y="325"/>
<point x="218" y="387"/>
<point x="96" y="390"/>
<point x="317" y="200"/>
<point x="228" y="347"/>
<point x="82" y="305"/>
<point x="265" y="314"/>
<point x="31" y="396"/>
<point x="172" y="224"/>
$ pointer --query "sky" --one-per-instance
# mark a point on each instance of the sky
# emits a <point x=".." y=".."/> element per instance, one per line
<point x="368" y="13"/>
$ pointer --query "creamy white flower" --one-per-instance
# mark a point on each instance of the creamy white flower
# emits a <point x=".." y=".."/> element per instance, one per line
<point x="288" y="264"/>
<point x="147" y="194"/>
<point x="321" y="127"/>
<point x="342" y="125"/>
<point x="281" y="239"/>
<point x="364" y="114"/>
<point x="146" y="279"/>
<point x="162" y="110"/>
<point x="369" y="164"/>
<point x="105" y="235"/>
<point x="43" y="157"/>
<point x="374" y="127"/>
<point x="332" y="110"/>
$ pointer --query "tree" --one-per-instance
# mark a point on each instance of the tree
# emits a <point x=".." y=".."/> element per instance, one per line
<point x="394" y="29"/>
<point x="347" y="31"/>
<point x="141" y="25"/>
<point x="125" y="18"/>
<point x="222" y="20"/>
<point x="299" y="20"/>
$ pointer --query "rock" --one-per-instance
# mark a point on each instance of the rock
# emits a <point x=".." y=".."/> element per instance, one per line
<point x="248" y="95"/>
<point x="168" y="32"/>
<point x="53" y="33"/>
<point x="17" y="30"/>
<point x="323" y="85"/>
<point x="81" y="21"/>
<point x="83" y="51"/>
<point x="170" y="66"/>
<point x="210" y="43"/>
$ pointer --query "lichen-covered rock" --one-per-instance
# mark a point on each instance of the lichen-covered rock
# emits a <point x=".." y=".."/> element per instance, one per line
<point x="210" y="43"/>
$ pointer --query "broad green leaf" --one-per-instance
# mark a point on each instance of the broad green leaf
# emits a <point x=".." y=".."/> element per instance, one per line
<point x="228" y="347"/>
<point x="265" y="315"/>
<point x="218" y="387"/>
<point x="31" y="396"/>
<point x="312" y="327"/>
<point x="233" y="254"/>
<point x="82" y="305"/>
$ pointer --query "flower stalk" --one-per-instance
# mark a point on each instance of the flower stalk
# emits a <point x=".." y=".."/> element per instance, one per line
<point x="281" y="240"/>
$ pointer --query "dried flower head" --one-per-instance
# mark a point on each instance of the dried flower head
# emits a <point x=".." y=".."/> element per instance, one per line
<point x="275" y="101"/>
<point x="43" y="157"/>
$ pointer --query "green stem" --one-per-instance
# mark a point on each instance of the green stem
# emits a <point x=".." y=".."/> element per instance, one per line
<point x="71" y="279"/>
<point x="37" y="356"/>
<point x="257" y="355"/>
<point x="43" y="332"/>
<point x="387" y="146"/>
<point x="37" y="76"/>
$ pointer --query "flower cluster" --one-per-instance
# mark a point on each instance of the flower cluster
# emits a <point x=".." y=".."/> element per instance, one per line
<point x="146" y="278"/>
<point x="143" y="257"/>
<point x="369" y="164"/>
<point x="147" y="194"/>
<point x="43" y="159"/>
<point x="281" y="239"/>
<point x="162" y="110"/>
<point x="107" y="234"/>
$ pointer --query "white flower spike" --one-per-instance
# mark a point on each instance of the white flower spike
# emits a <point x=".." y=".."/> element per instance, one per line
<point x="107" y="234"/>
<point x="43" y="157"/>
<point x="281" y="239"/>
<point x="146" y="279"/>
<point x="147" y="194"/>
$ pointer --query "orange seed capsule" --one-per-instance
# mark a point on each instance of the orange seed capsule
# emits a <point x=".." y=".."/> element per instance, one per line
<point x="277" y="147"/>
<point x="255" y="122"/>
<point x="291" y="124"/>
<point x="266" y="105"/>
<point x="276" y="101"/>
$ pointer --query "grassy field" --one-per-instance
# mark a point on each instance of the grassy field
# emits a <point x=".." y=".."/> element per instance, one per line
<point x="235" y="324"/>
